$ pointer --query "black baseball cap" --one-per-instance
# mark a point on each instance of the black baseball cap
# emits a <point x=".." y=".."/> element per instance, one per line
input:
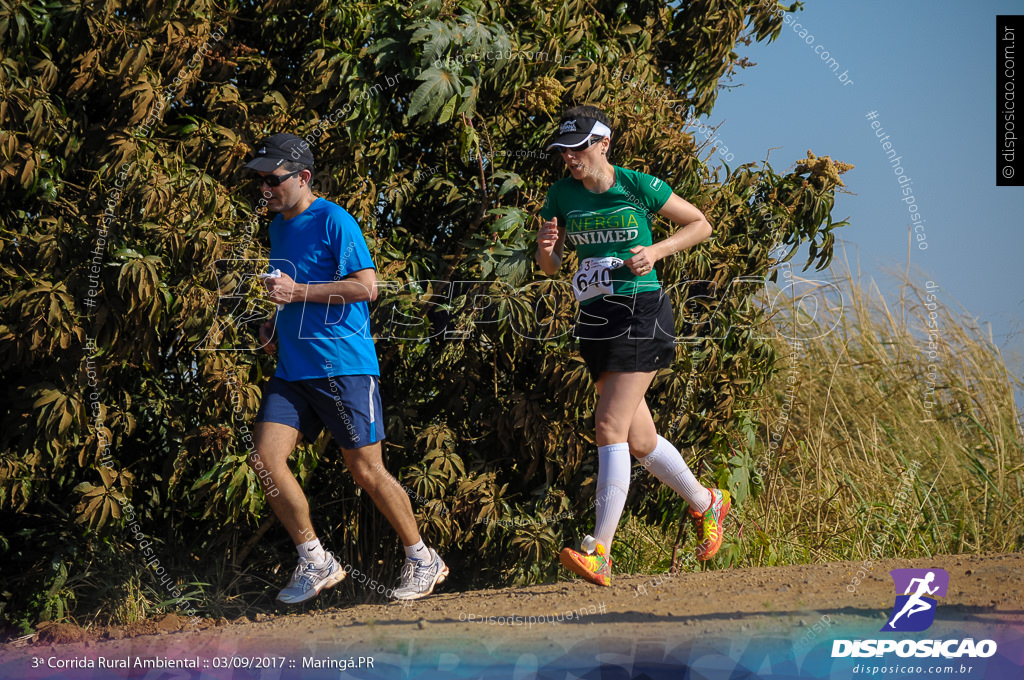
<point x="276" y="149"/>
<point x="573" y="132"/>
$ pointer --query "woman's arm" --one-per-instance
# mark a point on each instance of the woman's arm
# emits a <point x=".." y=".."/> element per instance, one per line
<point x="695" y="228"/>
<point x="550" y="246"/>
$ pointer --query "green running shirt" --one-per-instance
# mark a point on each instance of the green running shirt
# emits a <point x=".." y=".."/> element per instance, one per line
<point x="609" y="224"/>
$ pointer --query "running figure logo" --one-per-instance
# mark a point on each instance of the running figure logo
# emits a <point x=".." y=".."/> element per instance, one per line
<point x="915" y="611"/>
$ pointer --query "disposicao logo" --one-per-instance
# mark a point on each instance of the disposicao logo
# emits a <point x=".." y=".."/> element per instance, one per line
<point x="914" y="611"/>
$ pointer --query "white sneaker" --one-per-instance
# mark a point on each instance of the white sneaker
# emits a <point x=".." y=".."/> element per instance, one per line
<point x="308" y="580"/>
<point x="419" y="578"/>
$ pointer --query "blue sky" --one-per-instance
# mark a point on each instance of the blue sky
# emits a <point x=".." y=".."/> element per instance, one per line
<point x="928" y="70"/>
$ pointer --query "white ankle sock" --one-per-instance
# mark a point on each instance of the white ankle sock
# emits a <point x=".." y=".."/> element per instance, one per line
<point x="667" y="464"/>
<point x="418" y="551"/>
<point x="312" y="551"/>
<point x="613" y="463"/>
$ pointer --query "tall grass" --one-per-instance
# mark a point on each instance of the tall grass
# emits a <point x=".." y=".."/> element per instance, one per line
<point x="891" y="447"/>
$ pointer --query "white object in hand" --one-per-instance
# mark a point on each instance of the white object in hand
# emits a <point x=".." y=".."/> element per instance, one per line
<point x="276" y="274"/>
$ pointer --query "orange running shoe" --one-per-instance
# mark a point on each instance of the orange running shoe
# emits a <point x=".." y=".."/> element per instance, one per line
<point x="593" y="564"/>
<point x="709" y="524"/>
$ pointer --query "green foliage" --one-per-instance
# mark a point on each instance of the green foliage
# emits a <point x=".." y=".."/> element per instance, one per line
<point x="128" y="316"/>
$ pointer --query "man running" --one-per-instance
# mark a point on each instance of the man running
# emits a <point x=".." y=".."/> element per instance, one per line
<point x="327" y="372"/>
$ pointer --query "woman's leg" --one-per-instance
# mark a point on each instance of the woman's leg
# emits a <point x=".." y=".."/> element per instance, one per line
<point x="659" y="456"/>
<point x="620" y="401"/>
<point x="643" y="436"/>
<point x="708" y="507"/>
<point x="664" y="461"/>
<point x="619" y="397"/>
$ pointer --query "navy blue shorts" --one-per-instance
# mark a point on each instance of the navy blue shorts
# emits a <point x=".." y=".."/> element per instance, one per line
<point x="349" y="405"/>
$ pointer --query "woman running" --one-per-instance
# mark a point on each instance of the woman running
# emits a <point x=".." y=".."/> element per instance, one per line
<point x="625" y="326"/>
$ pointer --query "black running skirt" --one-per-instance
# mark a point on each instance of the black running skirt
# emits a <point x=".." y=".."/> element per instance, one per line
<point x="634" y="334"/>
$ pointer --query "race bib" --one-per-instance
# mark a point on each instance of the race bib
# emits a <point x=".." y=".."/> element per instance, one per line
<point x="594" y="277"/>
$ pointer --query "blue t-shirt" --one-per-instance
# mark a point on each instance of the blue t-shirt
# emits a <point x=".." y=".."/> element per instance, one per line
<point x="316" y="340"/>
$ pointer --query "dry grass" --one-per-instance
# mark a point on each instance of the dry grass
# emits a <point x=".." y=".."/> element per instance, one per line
<point x="864" y="418"/>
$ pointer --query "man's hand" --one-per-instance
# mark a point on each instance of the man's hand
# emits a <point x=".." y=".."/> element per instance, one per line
<point x="283" y="289"/>
<point x="267" y="338"/>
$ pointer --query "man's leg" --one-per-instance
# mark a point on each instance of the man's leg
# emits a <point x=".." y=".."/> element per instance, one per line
<point x="423" y="568"/>
<point x="274" y="444"/>
<point x="350" y="406"/>
<point x="368" y="471"/>
<point x="317" y="569"/>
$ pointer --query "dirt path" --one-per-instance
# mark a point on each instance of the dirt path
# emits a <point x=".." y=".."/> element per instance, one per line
<point x="767" y="620"/>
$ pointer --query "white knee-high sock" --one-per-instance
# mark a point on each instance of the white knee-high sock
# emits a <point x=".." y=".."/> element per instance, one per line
<point x="667" y="464"/>
<point x="613" y="463"/>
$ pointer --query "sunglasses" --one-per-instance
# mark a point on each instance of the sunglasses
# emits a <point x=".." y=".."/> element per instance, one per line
<point x="591" y="141"/>
<point x="274" y="180"/>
